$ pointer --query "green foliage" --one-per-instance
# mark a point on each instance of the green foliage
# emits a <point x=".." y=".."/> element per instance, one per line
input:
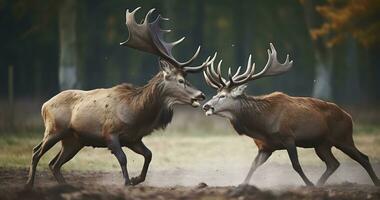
<point x="366" y="128"/>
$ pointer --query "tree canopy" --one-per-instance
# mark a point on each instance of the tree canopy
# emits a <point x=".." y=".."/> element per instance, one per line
<point x="353" y="18"/>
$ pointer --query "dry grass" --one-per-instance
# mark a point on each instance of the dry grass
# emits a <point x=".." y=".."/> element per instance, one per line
<point x="171" y="150"/>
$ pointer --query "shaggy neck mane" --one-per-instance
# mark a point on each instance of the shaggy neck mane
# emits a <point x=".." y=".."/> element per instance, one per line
<point x="146" y="96"/>
<point x="250" y="108"/>
<point x="149" y="100"/>
<point x="253" y="104"/>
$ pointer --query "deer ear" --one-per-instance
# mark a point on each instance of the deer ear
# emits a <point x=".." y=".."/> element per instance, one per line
<point x="165" y="67"/>
<point x="238" y="90"/>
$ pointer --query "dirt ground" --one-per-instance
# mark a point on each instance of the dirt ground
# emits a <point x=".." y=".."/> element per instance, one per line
<point x="204" y="163"/>
<point x="108" y="185"/>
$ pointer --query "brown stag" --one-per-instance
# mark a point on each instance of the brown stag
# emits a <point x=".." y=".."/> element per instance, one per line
<point x="122" y="115"/>
<point x="277" y="121"/>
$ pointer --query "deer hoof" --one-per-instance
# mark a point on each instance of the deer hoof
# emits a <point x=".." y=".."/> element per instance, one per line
<point x="136" y="180"/>
<point x="309" y="184"/>
<point x="127" y="183"/>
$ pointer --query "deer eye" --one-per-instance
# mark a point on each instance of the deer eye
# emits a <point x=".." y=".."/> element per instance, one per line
<point x="181" y="81"/>
<point x="222" y="96"/>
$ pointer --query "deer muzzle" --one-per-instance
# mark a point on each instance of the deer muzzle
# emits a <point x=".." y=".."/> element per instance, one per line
<point x="195" y="100"/>
<point x="208" y="109"/>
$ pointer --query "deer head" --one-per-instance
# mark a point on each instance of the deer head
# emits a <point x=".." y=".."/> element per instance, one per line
<point x="148" y="37"/>
<point x="230" y="90"/>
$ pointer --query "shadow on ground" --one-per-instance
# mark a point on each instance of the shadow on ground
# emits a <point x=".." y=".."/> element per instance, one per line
<point x="89" y="185"/>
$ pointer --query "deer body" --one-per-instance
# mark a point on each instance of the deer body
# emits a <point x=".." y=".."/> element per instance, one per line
<point x="120" y="116"/>
<point x="278" y="121"/>
<point x="93" y="116"/>
<point x="273" y="118"/>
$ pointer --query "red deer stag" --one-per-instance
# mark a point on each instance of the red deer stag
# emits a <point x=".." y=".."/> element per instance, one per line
<point x="122" y="115"/>
<point x="277" y="121"/>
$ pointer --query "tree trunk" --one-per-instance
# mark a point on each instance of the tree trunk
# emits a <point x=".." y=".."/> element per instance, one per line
<point x="323" y="55"/>
<point x="68" y="61"/>
<point x="352" y="92"/>
<point x="374" y="80"/>
<point x="322" y="82"/>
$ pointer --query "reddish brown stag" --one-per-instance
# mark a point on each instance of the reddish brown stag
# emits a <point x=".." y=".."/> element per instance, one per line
<point x="278" y="121"/>
<point x="122" y="115"/>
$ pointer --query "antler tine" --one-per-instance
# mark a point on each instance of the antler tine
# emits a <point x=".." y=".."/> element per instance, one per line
<point x="141" y="37"/>
<point x="230" y="76"/>
<point x="269" y="63"/>
<point x="237" y="72"/>
<point x="192" y="58"/>
<point x="248" y="71"/>
<point x="273" y="67"/>
<point x="211" y="77"/>
<point x="194" y="69"/>
<point x="146" y="20"/>
<point x="213" y="70"/>
<point x="212" y="73"/>
<point x="231" y="79"/>
<point x="184" y="65"/>
<point x="243" y="79"/>
<point x="212" y="59"/>
<point x="178" y="41"/>
<point x="214" y="79"/>
<point x="219" y="71"/>
<point x="197" y="68"/>
<point x="132" y="14"/>
<point x="148" y="36"/>
<point x="209" y="82"/>
<point x="215" y="75"/>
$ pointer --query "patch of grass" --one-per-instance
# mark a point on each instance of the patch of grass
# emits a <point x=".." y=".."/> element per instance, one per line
<point x="171" y="150"/>
<point x="366" y="128"/>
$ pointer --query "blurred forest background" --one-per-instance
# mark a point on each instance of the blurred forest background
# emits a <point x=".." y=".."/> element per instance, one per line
<point x="50" y="45"/>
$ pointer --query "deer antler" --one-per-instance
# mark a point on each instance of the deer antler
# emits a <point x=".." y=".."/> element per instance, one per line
<point x="148" y="37"/>
<point x="272" y="68"/>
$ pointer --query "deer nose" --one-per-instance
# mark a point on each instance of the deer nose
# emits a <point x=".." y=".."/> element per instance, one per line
<point x="200" y="97"/>
<point x="206" y="107"/>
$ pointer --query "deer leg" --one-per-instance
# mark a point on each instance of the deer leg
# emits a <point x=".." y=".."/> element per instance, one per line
<point x="69" y="149"/>
<point x="51" y="163"/>
<point x="115" y="147"/>
<point x="361" y="158"/>
<point x="325" y="154"/>
<point x="141" y="149"/>
<point x="36" y="150"/>
<point x="38" y="147"/>
<point x="48" y="142"/>
<point x="293" y="155"/>
<point x="261" y="157"/>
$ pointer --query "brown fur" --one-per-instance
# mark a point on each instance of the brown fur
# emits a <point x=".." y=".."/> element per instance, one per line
<point x="139" y="97"/>
<point x="288" y="114"/>
<point x="278" y="121"/>
<point x="112" y="117"/>
<point x="144" y="102"/>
